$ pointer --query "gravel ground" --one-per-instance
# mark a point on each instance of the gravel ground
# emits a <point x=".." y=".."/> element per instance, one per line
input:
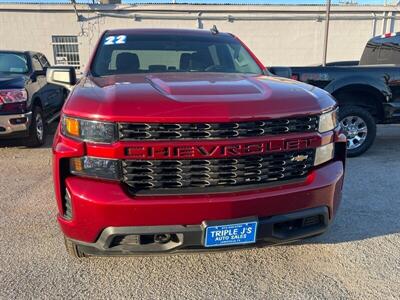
<point x="359" y="258"/>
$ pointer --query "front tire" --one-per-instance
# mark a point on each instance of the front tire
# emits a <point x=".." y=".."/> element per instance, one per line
<point x="37" y="129"/>
<point x="359" y="127"/>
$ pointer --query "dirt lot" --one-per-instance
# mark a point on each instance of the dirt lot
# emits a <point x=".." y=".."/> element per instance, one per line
<point x="358" y="258"/>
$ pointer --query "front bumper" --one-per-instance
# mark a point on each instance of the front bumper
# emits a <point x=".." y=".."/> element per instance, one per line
<point x="97" y="205"/>
<point x="392" y="111"/>
<point x="14" y="125"/>
<point x="140" y="240"/>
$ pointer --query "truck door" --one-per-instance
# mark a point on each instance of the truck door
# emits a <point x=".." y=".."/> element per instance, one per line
<point x="51" y="94"/>
<point x="38" y="82"/>
<point x="57" y="93"/>
<point x="394" y="76"/>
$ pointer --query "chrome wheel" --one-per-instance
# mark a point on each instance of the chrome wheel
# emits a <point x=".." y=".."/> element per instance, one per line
<point x="39" y="127"/>
<point x="355" y="129"/>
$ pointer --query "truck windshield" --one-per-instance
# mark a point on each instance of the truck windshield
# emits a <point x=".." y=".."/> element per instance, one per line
<point x="131" y="54"/>
<point x="13" y="63"/>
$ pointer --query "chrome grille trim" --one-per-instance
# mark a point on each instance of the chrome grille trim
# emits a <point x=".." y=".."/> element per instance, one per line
<point x="193" y="131"/>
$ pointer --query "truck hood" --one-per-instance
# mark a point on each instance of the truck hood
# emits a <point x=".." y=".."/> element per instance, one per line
<point x="12" y="81"/>
<point x="189" y="97"/>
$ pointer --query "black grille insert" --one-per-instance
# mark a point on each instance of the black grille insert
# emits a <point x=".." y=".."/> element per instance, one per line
<point x="169" y="175"/>
<point x="171" y="131"/>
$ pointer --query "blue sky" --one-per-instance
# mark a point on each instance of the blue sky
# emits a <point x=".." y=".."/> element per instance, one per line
<point x="210" y="1"/>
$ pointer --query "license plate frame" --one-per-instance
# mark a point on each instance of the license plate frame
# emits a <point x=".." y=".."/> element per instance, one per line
<point x="230" y="233"/>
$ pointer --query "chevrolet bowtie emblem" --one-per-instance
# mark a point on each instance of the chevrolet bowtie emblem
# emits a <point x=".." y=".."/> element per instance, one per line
<point x="299" y="158"/>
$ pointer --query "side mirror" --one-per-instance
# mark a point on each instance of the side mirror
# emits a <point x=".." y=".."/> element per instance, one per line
<point x="64" y="76"/>
<point x="284" y="72"/>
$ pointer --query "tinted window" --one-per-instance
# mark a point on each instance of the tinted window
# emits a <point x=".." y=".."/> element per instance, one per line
<point x="370" y="54"/>
<point x="384" y="51"/>
<point x="36" y="64"/>
<point x="13" y="63"/>
<point x="43" y="60"/>
<point x="395" y="56"/>
<point x="164" y="53"/>
<point x="385" y="54"/>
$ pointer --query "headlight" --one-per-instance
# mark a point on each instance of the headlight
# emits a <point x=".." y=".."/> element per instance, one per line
<point x="324" y="153"/>
<point x="95" y="167"/>
<point x="13" y="96"/>
<point x="328" y="121"/>
<point x="88" y="131"/>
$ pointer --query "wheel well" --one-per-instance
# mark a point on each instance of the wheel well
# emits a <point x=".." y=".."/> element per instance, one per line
<point x="37" y="102"/>
<point x="363" y="96"/>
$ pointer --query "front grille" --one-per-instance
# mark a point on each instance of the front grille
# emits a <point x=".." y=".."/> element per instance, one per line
<point x="169" y="175"/>
<point x="173" y="131"/>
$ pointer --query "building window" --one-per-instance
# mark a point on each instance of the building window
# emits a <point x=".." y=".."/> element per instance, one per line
<point x="66" y="50"/>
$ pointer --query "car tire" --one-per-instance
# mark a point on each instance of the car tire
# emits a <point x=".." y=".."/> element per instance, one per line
<point x="37" y="129"/>
<point x="73" y="249"/>
<point x="359" y="127"/>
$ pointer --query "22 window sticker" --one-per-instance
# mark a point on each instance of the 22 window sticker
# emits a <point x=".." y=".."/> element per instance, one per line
<point x="115" y="40"/>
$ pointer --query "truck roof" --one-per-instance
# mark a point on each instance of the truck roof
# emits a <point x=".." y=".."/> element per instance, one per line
<point x="385" y="38"/>
<point x="13" y="51"/>
<point x="19" y="52"/>
<point x="169" y="31"/>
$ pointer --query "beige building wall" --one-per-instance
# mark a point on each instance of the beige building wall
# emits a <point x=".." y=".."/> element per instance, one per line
<point x="279" y="35"/>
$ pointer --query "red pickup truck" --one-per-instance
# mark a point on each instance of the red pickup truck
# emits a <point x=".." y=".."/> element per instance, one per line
<point x="180" y="140"/>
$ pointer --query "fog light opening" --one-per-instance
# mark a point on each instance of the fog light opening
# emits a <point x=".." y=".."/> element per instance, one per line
<point x="67" y="205"/>
<point x="18" y="121"/>
<point x="162" y="238"/>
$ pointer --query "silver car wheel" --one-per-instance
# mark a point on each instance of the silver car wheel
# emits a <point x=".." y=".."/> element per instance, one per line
<point x="356" y="131"/>
<point x="39" y="127"/>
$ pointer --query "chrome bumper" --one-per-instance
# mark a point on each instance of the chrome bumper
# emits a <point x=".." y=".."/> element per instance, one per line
<point x="9" y="123"/>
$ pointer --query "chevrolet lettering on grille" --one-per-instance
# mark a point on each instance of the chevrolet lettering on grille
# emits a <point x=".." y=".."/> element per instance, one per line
<point x="219" y="151"/>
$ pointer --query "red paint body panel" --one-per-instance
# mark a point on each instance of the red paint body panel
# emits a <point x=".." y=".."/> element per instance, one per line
<point x="180" y="98"/>
<point x="185" y="97"/>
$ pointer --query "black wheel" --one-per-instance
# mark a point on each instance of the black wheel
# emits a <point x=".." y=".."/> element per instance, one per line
<point x="73" y="249"/>
<point x="359" y="127"/>
<point x="37" y="129"/>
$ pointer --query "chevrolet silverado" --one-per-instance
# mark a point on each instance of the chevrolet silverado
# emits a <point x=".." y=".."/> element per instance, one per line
<point x="180" y="140"/>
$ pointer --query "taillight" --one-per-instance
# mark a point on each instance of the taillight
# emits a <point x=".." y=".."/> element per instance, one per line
<point x="295" y="77"/>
